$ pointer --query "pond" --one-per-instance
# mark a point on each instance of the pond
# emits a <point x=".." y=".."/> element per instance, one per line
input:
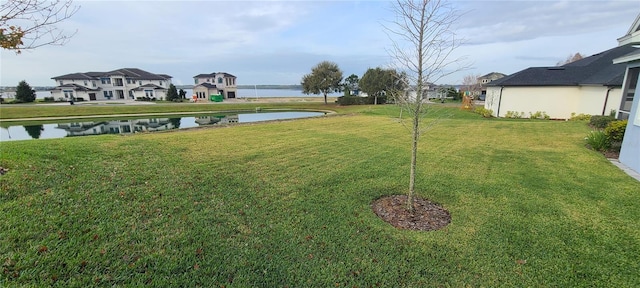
<point x="127" y="126"/>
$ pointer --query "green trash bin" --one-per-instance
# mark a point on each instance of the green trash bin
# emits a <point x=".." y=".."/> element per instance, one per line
<point x="216" y="97"/>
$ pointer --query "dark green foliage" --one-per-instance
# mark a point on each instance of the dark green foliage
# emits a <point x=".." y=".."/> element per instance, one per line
<point x="600" y="122"/>
<point x="357" y="100"/>
<point x="182" y="94"/>
<point x="598" y="141"/>
<point x="378" y="83"/>
<point x="615" y="130"/>
<point x="24" y="93"/>
<point x="49" y="99"/>
<point x="34" y="130"/>
<point x="78" y="99"/>
<point x="172" y="94"/>
<point x="325" y="78"/>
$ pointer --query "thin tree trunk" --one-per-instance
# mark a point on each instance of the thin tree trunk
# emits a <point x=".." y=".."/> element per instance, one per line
<point x="414" y="156"/>
<point x="325" y="98"/>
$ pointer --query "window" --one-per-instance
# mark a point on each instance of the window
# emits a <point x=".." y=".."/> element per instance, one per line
<point x="105" y="80"/>
<point x="140" y="83"/>
<point x="129" y="81"/>
<point x="130" y="93"/>
<point x="118" y="82"/>
<point x="61" y="82"/>
<point x="93" y="83"/>
<point x="85" y="83"/>
<point x="160" y="83"/>
<point x="208" y="80"/>
<point x="195" y="81"/>
<point x="219" y="80"/>
<point x="108" y="94"/>
<point x="148" y="93"/>
<point x="68" y="93"/>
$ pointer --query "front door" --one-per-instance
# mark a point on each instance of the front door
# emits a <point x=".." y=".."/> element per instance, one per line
<point x="120" y="94"/>
<point x="231" y="94"/>
<point x="92" y="96"/>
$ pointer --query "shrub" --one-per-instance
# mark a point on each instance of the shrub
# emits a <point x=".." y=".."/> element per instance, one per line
<point x="615" y="130"/>
<point x="580" y="117"/>
<point x="539" y="115"/>
<point x="49" y="99"/>
<point x="79" y="99"/>
<point x="486" y="113"/>
<point x="514" y="115"/>
<point x="600" y="122"/>
<point x="598" y="140"/>
<point x="353" y="100"/>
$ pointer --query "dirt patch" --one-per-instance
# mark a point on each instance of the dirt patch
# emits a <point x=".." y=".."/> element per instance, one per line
<point x="426" y="216"/>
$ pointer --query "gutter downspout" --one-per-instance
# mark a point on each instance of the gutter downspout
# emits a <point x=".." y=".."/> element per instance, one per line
<point x="606" y="99"/>
<point x="499" y="102"/>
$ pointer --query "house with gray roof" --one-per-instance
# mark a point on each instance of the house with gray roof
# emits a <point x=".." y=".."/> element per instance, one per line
<point x="217" y="83"/>
<point x="592" y="85"/>
<point x="120" y="84"/>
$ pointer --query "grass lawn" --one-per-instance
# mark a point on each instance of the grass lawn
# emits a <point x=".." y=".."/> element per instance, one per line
<point x="31" y="111"/>
<point x="287" y="204"/>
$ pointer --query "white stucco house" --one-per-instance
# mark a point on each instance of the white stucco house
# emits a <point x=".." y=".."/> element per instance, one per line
<point x="120" y="84"/>
<point x="217" y="83"/>
<point x="592" y="85"/>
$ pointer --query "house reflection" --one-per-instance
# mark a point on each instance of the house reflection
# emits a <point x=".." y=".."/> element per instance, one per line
<point x="139" y="125"/>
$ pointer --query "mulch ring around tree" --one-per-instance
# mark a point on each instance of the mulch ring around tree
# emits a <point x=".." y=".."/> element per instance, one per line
<point x="426" y="216"/>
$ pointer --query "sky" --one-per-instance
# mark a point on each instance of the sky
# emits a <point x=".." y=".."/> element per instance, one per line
<point x="278" y="42"/>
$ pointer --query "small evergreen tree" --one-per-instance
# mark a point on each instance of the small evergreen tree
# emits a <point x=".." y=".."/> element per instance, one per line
<point x="172" y="94"/>
<point x="24" y="93"/>
<point x="183" y="94"/>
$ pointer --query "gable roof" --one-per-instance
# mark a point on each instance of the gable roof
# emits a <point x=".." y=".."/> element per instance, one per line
<point x="492" y="75"/>
<point x="207" y="85"/>
<point x="633" y="35"/>
<point x="214" y="74"/>
<point x="133" y="73"/>
<point x="597" y="69"/>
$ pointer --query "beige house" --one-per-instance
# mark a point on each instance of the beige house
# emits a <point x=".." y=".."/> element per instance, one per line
<point x="485" y="80"/>
<point x="121" y="84"/>
<point x="592" y="85"/>
<point x="217" y="83"/>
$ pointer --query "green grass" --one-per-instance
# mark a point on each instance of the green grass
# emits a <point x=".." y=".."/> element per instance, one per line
<point x="32" y="111"/>
<point x="288" y="204"/>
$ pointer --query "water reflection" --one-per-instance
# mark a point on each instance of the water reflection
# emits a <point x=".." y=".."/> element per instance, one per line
<point x="60" y="130"/>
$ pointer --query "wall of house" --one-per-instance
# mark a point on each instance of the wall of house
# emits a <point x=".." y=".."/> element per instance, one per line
<point x="557" y="102"/>
<point x="592" y="100"/>
<point x="630" y="150"/>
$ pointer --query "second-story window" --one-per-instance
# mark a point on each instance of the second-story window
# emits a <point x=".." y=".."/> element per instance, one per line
<point x="105" y="80"/>
<point x="85" y="83"/>
<point x="219" y="80"/>
<point x="160" y="83"/>
<point x="61" y="82"/>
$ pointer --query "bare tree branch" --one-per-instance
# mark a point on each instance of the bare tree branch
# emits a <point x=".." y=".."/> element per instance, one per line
<point x="423" y="41"/>
<point x="29" y="24"/>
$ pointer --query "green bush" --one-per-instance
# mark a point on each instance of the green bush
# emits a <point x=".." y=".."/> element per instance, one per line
<point x="600" y="122"/>
<point x="598" y="140"/>
<point x="539" y="115"/>
<point x="486" y="113"/>
<point x="514" y="115"/>
<point x="351" y="100"/>
<point x="579" y="117"/>
<point x="49" y="99"/>
<point x="615" y="130"/>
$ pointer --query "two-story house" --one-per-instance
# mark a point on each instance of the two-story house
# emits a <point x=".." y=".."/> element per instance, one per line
<point x="121" y="84"/>
<point x="486" y="79"/>
<point x="217" y="83"/>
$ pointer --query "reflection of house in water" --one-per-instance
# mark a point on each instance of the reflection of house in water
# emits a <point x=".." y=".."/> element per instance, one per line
<point x="116" y="127"/>
<point x="219" y="119"/>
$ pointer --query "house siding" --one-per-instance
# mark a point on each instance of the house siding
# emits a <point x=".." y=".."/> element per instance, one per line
<point x="630" y="150"/>
<point x="557" y="102"/>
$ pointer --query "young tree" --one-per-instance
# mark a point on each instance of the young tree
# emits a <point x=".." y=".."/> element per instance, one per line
<point x="24" y="93"/>
<point x="378" y="82"/>
<point x="172" y="94"/>
<point x="470" y="83"/>
<point x="182" y="94"/>
<point x="29" y="24"/>
<point x="423" y="41"/>
<point x="324" y="79"/>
